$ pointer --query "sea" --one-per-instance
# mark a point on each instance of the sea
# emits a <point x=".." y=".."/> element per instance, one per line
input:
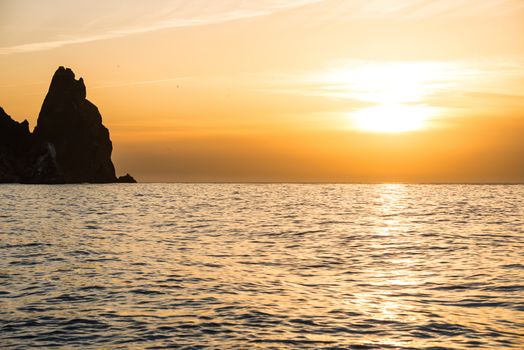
<point x="262" y="266"/>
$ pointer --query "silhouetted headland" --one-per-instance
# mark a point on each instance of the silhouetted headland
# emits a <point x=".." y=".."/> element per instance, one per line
<point x="69" y="143"/>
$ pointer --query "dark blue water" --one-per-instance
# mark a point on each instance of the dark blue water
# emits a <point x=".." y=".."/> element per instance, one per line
<point x="262" y="266"/>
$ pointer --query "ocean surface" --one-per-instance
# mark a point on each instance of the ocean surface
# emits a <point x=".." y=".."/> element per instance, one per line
<point x="240" y="266"/>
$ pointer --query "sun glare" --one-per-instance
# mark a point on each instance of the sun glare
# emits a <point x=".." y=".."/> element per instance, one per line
<point x="392" y="118"/>
<point x="396" y="92"/>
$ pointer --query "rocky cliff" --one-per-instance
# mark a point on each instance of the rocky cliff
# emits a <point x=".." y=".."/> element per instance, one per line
<point x="69" y="144"/>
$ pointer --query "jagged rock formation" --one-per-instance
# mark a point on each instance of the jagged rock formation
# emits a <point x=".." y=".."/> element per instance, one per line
<point x="69" y="144"/>
<point x="23" y="158"/>
<point x="13" y="140"/>
<point x="74" y="127"/>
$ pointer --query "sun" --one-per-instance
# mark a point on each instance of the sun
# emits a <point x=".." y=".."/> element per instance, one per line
<point x="394" y="94"/>
<point x="397" y="91"/>
<point x="392" y="118"/>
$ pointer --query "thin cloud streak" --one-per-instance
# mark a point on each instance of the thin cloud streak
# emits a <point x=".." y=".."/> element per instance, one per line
<point x="423" y="9"/>
<point x="218" y="18"/>
<point x="418" y="9"/>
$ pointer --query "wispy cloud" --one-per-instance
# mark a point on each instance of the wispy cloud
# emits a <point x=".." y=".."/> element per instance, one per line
<point x="59" y="23"/>
<point x="422" y="9"/>
<point x="406" y="82"/>
<point x="176" y="17"/>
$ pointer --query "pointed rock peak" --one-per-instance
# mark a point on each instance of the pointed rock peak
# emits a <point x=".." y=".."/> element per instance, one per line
<point x="64" y="83"/>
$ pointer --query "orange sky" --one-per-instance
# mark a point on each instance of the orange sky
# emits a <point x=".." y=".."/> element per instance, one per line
<point x="284" y="90"/>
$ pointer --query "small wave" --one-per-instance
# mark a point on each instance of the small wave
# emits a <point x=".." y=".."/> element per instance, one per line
<point x="146" y="292"/>
<point x="513" y="266"/>
<point x="25" y="245"/>
<point x="506" y="288"/>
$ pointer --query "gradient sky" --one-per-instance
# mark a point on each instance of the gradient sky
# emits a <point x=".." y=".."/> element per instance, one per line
<point x="284" y="90"/>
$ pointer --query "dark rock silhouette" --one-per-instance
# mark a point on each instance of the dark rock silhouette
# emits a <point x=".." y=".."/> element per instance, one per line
<point x="74" y="127"/>
<point x="15" y="141"/>
<point x="69" y="144"/>
<point x="126" y="179"/>
<point x="23" y="159"/>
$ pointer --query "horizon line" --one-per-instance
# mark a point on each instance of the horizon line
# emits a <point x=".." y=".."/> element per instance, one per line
<point x="286" y="183"/>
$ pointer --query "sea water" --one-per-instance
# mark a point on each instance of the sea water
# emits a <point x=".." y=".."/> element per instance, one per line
<point x="248" y="266"/>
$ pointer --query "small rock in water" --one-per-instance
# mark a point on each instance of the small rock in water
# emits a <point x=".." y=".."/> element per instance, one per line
<point x="126" y="179"/>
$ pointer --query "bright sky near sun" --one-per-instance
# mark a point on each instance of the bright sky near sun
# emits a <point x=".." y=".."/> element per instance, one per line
<point x="284" y="90"/>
